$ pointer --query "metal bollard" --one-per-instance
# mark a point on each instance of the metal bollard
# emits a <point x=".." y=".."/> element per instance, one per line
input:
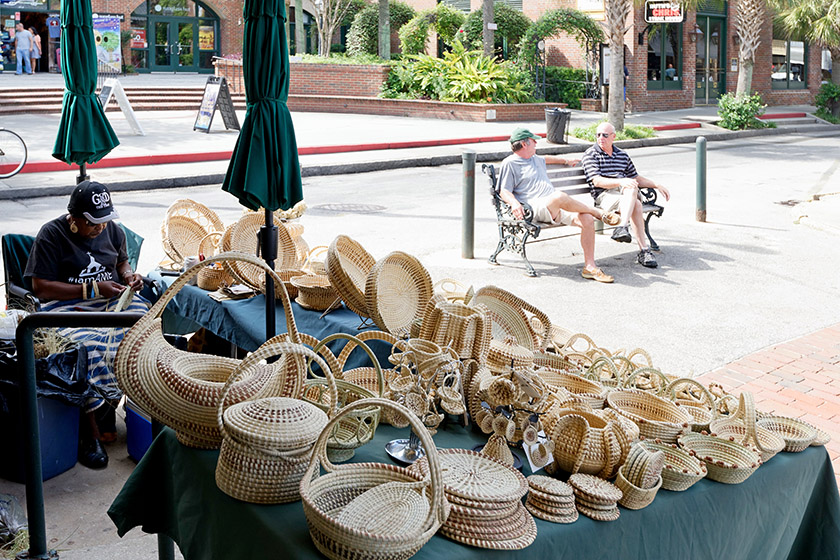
<point x="468" y="204"/>
<point x="701" y="179"/>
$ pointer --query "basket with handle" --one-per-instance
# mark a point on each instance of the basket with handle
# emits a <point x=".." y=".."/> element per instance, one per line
<point x="367" y="376"/>
<point x="314" y="262"/>
<point x="349" y="513"/>
<point x="741" y="427"/>
<point x="355" y="429"/>
<point x="267" y="441"/>
<point x="695" y="399"/>
<point x="181" y="389"/>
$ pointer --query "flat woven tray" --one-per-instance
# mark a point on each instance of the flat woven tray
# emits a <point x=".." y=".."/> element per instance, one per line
<point x="396" y="292"/>
<point x="478" y="478"/>
<point x="348" y="266"/>
<point x="185" y="224"/>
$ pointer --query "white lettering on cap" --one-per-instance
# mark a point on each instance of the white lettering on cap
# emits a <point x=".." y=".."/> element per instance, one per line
<point x="100" y="200"/>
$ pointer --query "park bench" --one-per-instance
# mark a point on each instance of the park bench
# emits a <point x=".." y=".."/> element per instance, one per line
<point x="515" y="235"/>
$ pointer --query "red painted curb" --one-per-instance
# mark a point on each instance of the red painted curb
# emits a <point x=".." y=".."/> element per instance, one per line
<point x="680" y="126"/>
<point x="782" y="116"/>
<point x="158" y="159"/>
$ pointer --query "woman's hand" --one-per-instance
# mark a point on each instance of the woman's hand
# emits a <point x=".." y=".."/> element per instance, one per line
<point x="134" y="281"/>
<point x="109" y="288"/>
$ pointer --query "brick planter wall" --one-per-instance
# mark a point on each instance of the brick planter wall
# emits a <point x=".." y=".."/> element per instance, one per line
<point x="474" y="112"/>
<point x="337" y="79"/>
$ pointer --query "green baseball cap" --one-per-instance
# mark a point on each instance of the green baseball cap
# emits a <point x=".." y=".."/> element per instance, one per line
<point x="522" y="134"/>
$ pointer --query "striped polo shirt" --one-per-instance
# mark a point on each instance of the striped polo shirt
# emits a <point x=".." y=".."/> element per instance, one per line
<point x="596" y="162"/>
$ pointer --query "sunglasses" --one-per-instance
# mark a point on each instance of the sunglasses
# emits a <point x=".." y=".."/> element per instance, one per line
<point x="604" y="134"/>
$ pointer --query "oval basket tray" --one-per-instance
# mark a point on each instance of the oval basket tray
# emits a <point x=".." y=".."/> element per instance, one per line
<point x="396" y="292"/>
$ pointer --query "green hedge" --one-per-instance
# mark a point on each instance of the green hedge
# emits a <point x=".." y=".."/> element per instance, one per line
<point x="565" y="85"/>
<point x="511" y="23"/>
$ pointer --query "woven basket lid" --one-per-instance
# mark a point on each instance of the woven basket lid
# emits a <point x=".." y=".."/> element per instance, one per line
<point x="396" y="292"/>
<point x="277" y="422"/>
<point x="476" y="477"/>
<point x="505" y="350"/>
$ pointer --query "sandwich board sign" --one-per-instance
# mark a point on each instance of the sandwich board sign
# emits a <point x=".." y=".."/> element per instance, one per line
<point x="216" y="96"/>
<point x="112" y="89"/>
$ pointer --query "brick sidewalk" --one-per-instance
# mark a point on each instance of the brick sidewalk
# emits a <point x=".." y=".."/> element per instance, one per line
<point x="799" y="378"/>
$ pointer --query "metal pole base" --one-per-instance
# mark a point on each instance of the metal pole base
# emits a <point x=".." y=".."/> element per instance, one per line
<point x="50" y="555"/>
<point x="701" y="215"/>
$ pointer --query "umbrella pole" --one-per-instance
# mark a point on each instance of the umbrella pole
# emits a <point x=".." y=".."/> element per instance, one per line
<point x="268" y="244"/>
<point x="83" y="176"/>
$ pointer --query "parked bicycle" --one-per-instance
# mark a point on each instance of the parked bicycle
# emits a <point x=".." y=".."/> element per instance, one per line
<point x="12" y="153"/>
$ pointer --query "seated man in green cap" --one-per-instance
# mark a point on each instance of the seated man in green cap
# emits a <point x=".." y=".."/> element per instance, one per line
<point x="523" y="178"/>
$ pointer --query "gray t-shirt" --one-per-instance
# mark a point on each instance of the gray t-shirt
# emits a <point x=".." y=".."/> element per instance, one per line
<point x="525" y="178"/>
<point x="24" y="40"/>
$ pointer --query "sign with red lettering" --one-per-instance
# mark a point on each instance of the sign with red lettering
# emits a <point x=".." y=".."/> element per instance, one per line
<point x="657" y="11"/>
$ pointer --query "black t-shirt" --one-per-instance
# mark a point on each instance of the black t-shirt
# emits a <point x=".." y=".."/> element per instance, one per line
<point x="59" y="254"/>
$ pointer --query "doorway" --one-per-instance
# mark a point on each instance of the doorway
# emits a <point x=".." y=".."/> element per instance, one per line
<point x="710" y="60"/>
<point x="175" y="44"/>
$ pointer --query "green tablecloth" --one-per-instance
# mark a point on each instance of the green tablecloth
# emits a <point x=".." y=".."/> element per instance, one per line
<point x="788" y="509"/>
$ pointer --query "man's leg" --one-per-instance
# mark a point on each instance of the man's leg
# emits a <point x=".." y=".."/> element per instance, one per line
<point x="27" y="63"/>
<point x="587" y="238"/>
<point x="562" y="201"/>
<point x="638" y="221"/>
<point x="18" y="61"/>
<point x="629" y="200"/>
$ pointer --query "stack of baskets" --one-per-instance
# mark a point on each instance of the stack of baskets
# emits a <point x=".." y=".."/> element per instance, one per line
<point x="464" y="328"/>
<point x="640" y="477"/>
<point x="267" y="442"/>
<point x="487" y="510"/>
<point x="185" y="226"/>
<point x="595" y="497"/>
<point x="348" y="266"/>
<point x="372" y="510"/>
<point x="551" y="500"/>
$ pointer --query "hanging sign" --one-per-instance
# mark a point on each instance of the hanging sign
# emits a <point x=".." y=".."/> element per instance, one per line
<point x="657" y="11"/>
<point x="216" y="96"/>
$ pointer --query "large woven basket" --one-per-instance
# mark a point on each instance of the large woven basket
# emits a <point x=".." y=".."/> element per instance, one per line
<point x="243" y="237"/>
<point x="357" y="428"/>
<point x="511" y="316"/>
<point x="348" y="266"/>
<point x="349" y="513"/>
<point x="726" y="461"/>
<point x="182" y="389"/>
<point x="655" y="416"/>
<point x="590" y="443"/>
<point x="267" y="442"/>
<point x="396" y="292"/>
<point x="185" y="225"/>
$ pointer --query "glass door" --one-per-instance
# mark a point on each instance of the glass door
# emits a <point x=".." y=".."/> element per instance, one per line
<point x="710" y="61"/>
<point x="174" y="45"/>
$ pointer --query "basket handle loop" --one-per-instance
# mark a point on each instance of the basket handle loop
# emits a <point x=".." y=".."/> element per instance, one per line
<point x="273" y="347"/>
<point x="319" y="454"/>
<point x="356" y="341"/>
<point x="649" y="370"/>
<point x="671" y="390"/>
<point x="602" y="361"/>
<point x="157" y="309"/>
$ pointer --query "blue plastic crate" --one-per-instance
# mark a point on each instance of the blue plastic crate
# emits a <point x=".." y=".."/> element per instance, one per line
<point x="138" y="426"/>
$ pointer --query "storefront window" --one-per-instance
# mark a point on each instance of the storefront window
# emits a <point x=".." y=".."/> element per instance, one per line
<point x="167" y="33"/>
<point x="664" y="67"/>
<point x="789" y="70"/>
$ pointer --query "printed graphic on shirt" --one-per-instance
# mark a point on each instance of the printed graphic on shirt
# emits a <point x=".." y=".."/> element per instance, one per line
<point x="93" y="272"/>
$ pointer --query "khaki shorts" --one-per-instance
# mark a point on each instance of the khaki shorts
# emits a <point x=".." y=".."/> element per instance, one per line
<point x="610" y="200"/>
<point x="542" y="214"/>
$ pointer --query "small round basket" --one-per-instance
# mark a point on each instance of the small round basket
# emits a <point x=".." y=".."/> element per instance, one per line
<point x="726" y="461"/>
<point x="314" y="292"/>
<point x="348" y="266"/>
<point x="396" y="292"/>
<point x="798" y="435"/>
<point x="349" y="513"/>
<point x="681" y="469"/>
<point x="211" y="278"/>
<point x="634" y="497"/>
<point x="655" y="416"/>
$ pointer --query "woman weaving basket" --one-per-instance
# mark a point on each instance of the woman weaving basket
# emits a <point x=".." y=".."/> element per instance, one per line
<point x="79" y="263"/>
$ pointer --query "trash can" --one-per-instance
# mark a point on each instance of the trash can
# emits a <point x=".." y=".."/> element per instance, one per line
<point x="557" y="125"/>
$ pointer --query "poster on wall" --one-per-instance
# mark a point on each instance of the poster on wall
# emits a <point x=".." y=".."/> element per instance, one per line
<point x="206" y="38"/>
<point x="106" y="33"/>
<point x="138" y="38"/>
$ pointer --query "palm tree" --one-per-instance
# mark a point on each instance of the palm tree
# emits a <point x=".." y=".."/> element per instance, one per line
<point x="616" y="14"/>
<point x="749" y="19"/>
<point x="818" y="21"/>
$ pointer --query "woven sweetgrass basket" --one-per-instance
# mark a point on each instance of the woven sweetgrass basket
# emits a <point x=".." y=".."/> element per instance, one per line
<point x="350" y="515"/>
<point x="511" y="316"/>
<point x="655" y="416"/>
<point x="314" y="291"/>
<point x="185" y="225"/>
<point x="797" y="435"/>
<point x="243" y="237"/>
<point x="590" y="443"/>
<point x="726" y="461"/>
<point x="397" y="289"/>
<point x="182" y="389"/>
<point x="634" y="497"/>
<point x="348" y="266"/>
<point x="463" y="327"/>
<point x="267" y="442"/>
<point x="681" y="469"/>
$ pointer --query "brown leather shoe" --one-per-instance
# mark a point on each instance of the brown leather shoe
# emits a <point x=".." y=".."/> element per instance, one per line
<point x="597" y="275"/>
<point x="611" y="218"/>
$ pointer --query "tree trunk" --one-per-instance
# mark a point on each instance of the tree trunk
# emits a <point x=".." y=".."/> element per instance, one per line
<point x="384" y="30"/>
<point x="616" y="14"/>
<point x="745" y="72"/>
<point x="300" y="37"/>
<point x="835" y="66"/>
<point x="488" y="34"/>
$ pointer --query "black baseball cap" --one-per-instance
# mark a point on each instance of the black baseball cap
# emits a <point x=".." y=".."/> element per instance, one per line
<point x="93" y="201"/>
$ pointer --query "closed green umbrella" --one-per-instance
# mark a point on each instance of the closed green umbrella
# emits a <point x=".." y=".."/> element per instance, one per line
<point x="264" y="170"/>
<point x="84" y="134"/>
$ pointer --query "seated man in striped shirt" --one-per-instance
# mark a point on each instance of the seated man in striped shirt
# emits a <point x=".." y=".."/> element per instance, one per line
<point x="615" y="185"/>
<point x="523" y="178"/>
